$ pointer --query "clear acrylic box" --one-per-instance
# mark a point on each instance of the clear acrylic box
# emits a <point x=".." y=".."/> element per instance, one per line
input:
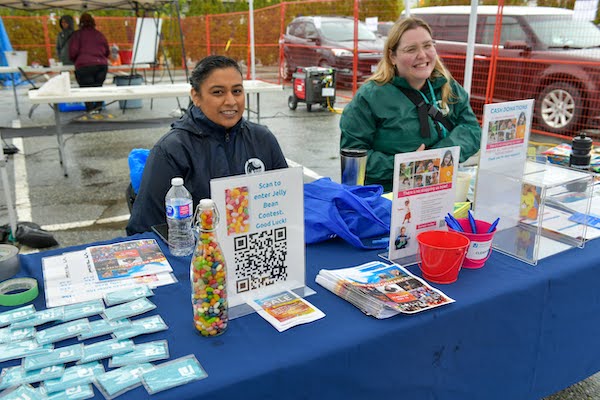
<point x="541" y="212"/>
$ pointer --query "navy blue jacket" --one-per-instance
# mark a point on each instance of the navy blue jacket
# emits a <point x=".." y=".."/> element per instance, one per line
<point x="199" y="150"/>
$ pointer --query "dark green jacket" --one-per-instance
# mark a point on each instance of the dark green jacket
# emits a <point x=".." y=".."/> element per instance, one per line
<point x="384" y="121"/>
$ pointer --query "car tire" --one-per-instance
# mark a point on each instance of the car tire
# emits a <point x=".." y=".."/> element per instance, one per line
<point x="559" y="108"/>
<point x="292" y="102"/>
<point x="284" y="70"/>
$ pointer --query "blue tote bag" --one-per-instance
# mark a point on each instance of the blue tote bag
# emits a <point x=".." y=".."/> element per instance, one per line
<point x="350" y="212"/>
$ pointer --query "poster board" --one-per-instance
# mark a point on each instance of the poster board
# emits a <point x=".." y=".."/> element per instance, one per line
<point x="264" y="243"/>
<point x="424" y="188"/>
<point x="504" y="140"/>
<point x="147" y="39"/>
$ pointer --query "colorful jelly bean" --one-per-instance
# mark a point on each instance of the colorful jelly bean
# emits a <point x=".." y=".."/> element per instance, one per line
<point x="236" y="210"/>
<point x="208" y="275"/>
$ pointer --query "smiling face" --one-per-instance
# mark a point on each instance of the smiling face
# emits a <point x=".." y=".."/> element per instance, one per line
<point x="221" y="97"/>
<point x="415" y="56"/>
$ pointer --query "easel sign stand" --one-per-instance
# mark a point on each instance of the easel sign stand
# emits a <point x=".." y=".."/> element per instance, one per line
<point x="528" y="197"/>
<point x="423" y="193"/>
<point x="261" y="234"/>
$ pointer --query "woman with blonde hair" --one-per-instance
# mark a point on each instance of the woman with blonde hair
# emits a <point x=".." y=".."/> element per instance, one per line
<point x="383" y="116"/>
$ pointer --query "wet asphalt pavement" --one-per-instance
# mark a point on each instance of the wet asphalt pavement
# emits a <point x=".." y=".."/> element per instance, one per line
<point x="90" y="205"/>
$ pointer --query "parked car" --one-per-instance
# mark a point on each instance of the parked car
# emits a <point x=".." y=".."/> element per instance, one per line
<point x="329" y="42"/>
<point x="544" y="53"/>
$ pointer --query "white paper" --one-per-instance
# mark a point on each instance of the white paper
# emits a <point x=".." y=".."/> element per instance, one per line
<point x="262" y="238"/>
<point x="423" y="193"/>
<point x="69" y="278"/>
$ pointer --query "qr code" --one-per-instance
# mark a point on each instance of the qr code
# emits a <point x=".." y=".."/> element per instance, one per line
<point x="260" y="259"/>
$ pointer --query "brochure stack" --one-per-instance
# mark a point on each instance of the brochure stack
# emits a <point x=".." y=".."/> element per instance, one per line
<point x="382" y="290"/>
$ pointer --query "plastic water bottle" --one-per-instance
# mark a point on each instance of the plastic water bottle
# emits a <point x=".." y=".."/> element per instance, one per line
<point x="179" y="206"/>
<point x="208" y="274"/>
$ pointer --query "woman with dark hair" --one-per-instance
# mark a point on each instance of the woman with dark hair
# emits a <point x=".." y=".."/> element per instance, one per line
<point x="88" y="48"/>
<point x="62" y="39"/>
<point x="211" y="140"/>
<point x="383" y="119"/>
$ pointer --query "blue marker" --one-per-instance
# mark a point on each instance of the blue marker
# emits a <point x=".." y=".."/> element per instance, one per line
<point x="453" y="224"/>
<point x="493" y="226"/>
<point x="472" y="222"/>
<point x="455" y="221"/>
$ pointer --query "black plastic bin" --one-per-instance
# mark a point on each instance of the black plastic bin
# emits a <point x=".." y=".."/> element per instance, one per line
<point x="129" y="80"/>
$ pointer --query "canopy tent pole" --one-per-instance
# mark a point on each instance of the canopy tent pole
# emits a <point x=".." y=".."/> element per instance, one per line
<point x="468" y="77"/>
<point x="185" y="68"/>
<point x="252" y="54"/>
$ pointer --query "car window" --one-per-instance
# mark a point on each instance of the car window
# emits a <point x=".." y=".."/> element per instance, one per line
<point x="558" y="32"/>
<point x="511" y="30"/>
<point x="310" y="30"/>
<point x="343" y="30"/>
<point x="452" y="27"/>
<point x="383" y="28"/>
<point x="297" y="29"/>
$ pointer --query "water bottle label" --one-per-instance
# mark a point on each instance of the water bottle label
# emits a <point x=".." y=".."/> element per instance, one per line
<point x="179" y="212"/>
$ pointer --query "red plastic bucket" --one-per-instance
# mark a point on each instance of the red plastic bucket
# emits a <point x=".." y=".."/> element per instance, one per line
<point x="480" y="248"/>
<point x="125" y="56"/>
<point x="442" y="254"/>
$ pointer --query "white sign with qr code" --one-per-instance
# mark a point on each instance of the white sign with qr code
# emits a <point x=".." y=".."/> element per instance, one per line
<point x="261" y="231"/>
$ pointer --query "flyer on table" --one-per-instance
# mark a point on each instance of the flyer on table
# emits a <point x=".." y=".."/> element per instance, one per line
<point x="128" y="259"/>
<point x="423" y="187"/>
<point x="261" y="231"/>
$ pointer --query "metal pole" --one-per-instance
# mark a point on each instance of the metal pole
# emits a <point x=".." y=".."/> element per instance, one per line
<point x="185" y="68"/>
<point x="470" y="47"/>
<point x="252" y="55"/>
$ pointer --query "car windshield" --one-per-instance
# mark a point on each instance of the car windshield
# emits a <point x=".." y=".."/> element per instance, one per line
<point x="341" y="31"/>
<point x="560" y="32"/>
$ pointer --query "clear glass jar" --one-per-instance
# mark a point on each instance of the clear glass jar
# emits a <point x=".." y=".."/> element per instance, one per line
<point x="208" y="273"/>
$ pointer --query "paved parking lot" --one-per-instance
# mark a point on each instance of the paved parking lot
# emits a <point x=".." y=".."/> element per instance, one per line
<point x="90" y="205"/>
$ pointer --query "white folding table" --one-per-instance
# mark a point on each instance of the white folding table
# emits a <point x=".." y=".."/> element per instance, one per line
<point x="32" y="72"/>
<point x="112" y="93"/>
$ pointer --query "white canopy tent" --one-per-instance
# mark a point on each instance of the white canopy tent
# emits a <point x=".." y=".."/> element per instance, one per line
<point x="83" y="5"/>
<point x="80" y="6"/>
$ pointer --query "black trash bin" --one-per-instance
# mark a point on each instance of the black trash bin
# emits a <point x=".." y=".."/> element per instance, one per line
<point x="129" y="80"/>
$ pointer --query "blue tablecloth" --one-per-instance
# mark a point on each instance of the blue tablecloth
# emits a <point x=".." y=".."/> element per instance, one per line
<point x="515" y="332"/>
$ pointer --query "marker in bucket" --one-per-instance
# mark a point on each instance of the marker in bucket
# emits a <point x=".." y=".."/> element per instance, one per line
<point x="493" y="226"/>
<point x="472" y="222"/>
<point x="453" y="224"/>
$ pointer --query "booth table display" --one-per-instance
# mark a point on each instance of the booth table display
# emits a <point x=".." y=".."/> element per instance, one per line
<point x="514" y="332"/>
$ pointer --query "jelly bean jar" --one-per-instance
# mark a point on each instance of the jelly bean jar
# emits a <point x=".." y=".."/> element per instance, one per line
<point x="208" y="274"/>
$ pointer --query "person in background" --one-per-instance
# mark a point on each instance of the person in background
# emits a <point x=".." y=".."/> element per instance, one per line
<point x="211" y="140"/>
<point x="62" y="39"/>
<point x="383" y="120"/>
<point x="88" y="48"/>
